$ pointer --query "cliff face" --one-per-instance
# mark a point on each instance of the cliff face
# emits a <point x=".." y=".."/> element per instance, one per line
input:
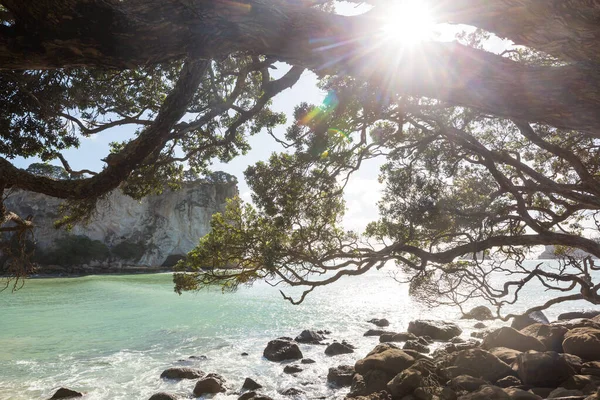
<point x="161" y="227"/>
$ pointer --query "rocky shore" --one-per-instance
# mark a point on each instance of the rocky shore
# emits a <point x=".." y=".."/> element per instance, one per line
<point x="531" y="359"/>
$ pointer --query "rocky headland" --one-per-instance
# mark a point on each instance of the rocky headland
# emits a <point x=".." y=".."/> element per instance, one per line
<point x="125" y="235"/>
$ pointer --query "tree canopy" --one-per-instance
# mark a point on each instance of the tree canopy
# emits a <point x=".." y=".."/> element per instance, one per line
<point x="483" y="151"/>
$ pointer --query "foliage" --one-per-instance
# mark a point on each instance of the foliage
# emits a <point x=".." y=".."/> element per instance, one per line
<point x="74" y="250"/>
<point x="129" y="251"/>
<point x="456" y="182"/>
<point x="47" y="170"/>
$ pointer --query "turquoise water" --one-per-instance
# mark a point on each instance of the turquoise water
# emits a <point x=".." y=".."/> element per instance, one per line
<point x="112" y="336"/>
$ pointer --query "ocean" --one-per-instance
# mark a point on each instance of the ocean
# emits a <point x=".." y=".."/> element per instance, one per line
<point x="112" y="336"/>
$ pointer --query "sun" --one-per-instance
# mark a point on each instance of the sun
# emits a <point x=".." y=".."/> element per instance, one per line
<point x="409" y="21"/>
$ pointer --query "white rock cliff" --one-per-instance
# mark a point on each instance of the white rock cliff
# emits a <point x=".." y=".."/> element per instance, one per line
<point x="167" y="225"/>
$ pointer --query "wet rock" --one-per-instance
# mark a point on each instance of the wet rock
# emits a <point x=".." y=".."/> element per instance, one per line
<point x="437" y="330"/>
<point x="182" y="373"/>
<point x="202" y="358"/>
<point x="378" y="332"/>
<point x="509" y="356"/>
<point x="292" y="369"/>
<point x="309" y="337"/>
<point x="480" y="325"/>
<point x="583" y="342"/>
<point x="251" y="384"/>
<point x="396" y="337"/>
<point x="480" y="313"/>
<point x="487" y="392"/>
<point x="163" y="396"/>
<point x="307" y="361"/>
<point x="590" y="368"/>
<point x="337" y="348"/>
<point x="562" y="392"/>
<point x="253" y="396"/>
<point x="521" y="321"/>
<point x="381" y="322"/>
<point x="511" y="339"/>
<point x="404" y="383"/>
<point x="292" y="392"/>
<point x="578" y="314"/>
<point x="374" y="381"/>
<point x="423" y="341"/>
<point x="385" y="358"/>
<point x="282" y="349"/>
<point x="508" y="381"/>
<point x="581" y="382"/>
<point x="551" y="336"/>
<point x="210" y="384"/>
<point x="579" y="323"/>
<point x="468" y="383"/>
<point x="414" y="345"/>
<point x="341" y="375"/>
<point x="64" y="393"/>
<point x="520" y="394"/>
<point x="480" y="334"/>
<point x="485" y="364"/>
<point x="544" y="369"/>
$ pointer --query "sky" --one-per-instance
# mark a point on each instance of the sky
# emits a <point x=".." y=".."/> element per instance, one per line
<point x="363" y="190"/>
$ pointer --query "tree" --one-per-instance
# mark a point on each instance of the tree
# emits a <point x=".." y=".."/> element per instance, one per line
<point x="65" y="74"/>
<point x="457" y="182"/>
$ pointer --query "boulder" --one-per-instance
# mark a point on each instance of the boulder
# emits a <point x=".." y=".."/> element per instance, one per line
<point x="590" y="368"/>
<point x="307" y="361"/>
<point x="210" y="384"/>
<point x="416" y="346"/>
<point x="581" y="382"/>
<point x="589" y="314"/>
<point x="521" y="321"/>
<point x="341" y="375"/>
<point x="404" y="383"/>
<point x="508" y="381"/>
<point x="251" y="384"/>
<point x="377" y="332"/>
<point x="282" y="349"/>
<point x="437" y="330"/>
<point x="397" y="337"/>
<point x="385" y="358"/>
<point x="520" y="394"/>
<point x="64" y="393"/>
<point x="163" y="396"/>
<point x="310" y="337"/>
<point x="468" y="383"/>
<point x="179" y="373"/>
<point x="562" y="392"/>
<point x="292" y="369"/>
<point x="337" y="348"/>
<point x="509" y="356"/>
<point x="583" y="342"/>
<point x="511" y="339"/>
<point x="551" y="336"/>
<point x="487" y="392"/>
<point x="578" y="323"/>
<point x="480" y="325"/>
<point x="485" y="364"/>
<point x="480" y="313"/>
<point x="545" y="369"/>
<point x="292" y="392"/>
<point x="253" y="396"/>
<point x="381" y="322"/>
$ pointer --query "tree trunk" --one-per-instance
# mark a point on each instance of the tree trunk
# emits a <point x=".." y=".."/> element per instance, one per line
<point x="130" y="33"/>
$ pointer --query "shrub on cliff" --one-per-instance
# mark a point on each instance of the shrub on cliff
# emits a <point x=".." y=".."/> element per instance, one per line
<point x="129" y="250"/>
<point x="75" y="249"/>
